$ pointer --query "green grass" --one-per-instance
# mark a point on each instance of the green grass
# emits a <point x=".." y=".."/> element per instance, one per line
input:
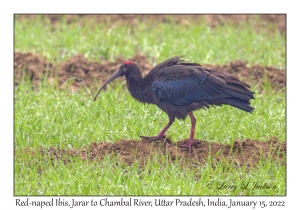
<point x="58" y="118"/>
<point x="51" y="117"/>
<point x="74" y="118"/>
<point x="199" y="42"/>
<point x="47" y="177"/>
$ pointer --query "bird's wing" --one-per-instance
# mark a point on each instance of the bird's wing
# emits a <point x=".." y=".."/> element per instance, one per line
<point x="176" y="60"/>
<point x="187" y="83"/>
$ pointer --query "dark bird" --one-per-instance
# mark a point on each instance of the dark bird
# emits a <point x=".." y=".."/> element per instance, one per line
<point x="179" y="87"/>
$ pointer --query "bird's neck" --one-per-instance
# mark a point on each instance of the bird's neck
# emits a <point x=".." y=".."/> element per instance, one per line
<point x="138" y="87"/>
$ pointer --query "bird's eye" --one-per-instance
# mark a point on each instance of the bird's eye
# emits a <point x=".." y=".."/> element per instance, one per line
<point x="122" y="67"/>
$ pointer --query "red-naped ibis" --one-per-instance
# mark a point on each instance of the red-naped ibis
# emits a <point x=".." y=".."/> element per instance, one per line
<point x="179" y="87"/>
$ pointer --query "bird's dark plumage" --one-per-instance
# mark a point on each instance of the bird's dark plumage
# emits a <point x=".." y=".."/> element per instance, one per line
<point x="179" y="87"/>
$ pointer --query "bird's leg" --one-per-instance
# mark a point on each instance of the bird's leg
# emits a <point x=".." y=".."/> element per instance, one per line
<point x="160" y="136"/>
<point x="191" y="139"/>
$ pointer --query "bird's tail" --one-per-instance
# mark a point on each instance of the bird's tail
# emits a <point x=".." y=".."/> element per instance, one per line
<point x="240" y="104"/>
<point x="238" y="95"/>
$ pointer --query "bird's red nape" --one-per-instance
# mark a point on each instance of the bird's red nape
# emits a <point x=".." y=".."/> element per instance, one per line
<point x="127" y="62"/>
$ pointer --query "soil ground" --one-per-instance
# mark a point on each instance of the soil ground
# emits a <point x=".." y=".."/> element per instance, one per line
<point x="243" y="152"/>
<point x="79" y="72"/>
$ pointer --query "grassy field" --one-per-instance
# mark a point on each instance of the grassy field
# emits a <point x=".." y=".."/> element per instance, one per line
<point x="197" y="42"/>
<point x="57" y="118"/>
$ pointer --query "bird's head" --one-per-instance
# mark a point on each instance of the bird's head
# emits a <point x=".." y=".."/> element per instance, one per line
<point x="123" y="70"/>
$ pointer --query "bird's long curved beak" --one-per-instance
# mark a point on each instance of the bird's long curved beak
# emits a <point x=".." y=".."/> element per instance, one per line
<point x="113" y="77"/>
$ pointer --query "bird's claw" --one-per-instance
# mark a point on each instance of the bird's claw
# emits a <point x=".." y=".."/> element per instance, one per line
<point x="189" y="145"/>
<point x="153" y="138"/>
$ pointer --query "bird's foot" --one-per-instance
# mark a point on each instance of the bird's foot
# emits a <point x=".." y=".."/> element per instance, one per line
<point x="154" y="138"/>
<point x="189" y="145"/>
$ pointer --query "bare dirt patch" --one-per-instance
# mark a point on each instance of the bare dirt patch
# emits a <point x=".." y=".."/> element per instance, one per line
<point x="243" y="152"/>
<point x="32" y="65"/>
<point x="80" y="72"/>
